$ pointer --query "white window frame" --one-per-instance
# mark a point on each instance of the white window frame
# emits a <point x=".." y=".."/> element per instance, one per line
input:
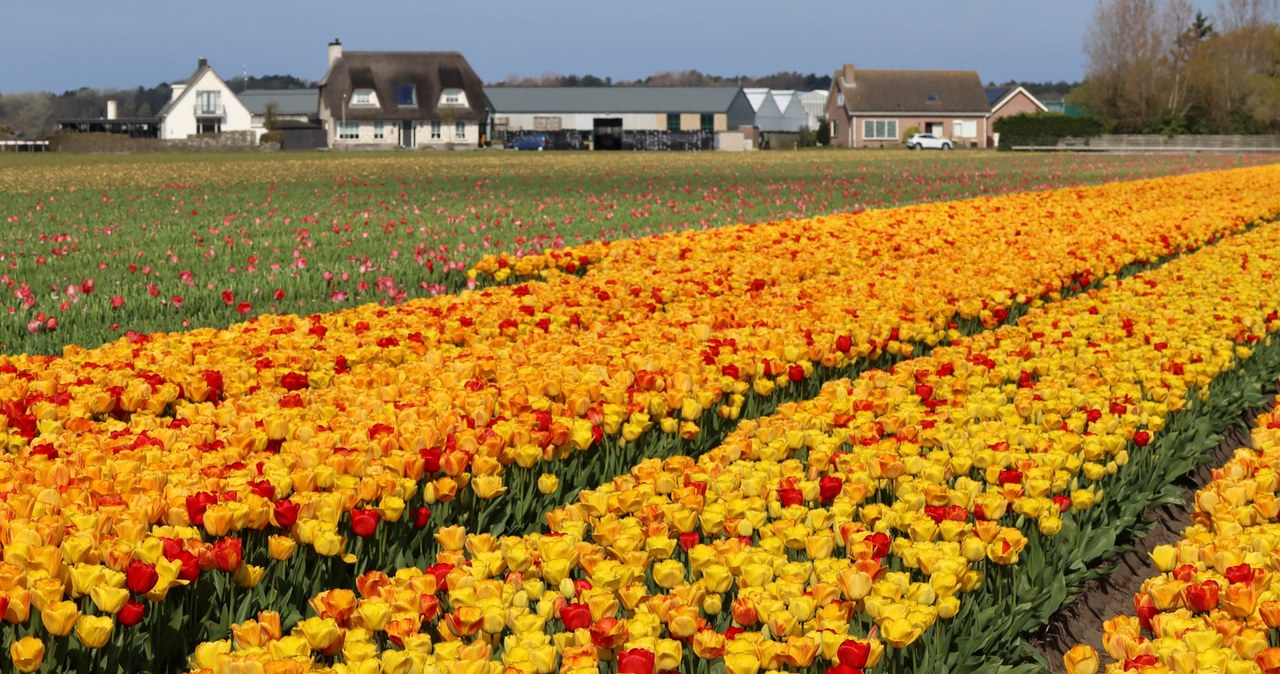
<point x="362" y="97"/>
<point x="379" y="130"/>
<point x="208" y="102"/>
<point x="964" y="128"/>
<point x="435" y="129"/>
<point x="348" y="130"/>
<point x="460" y="129"/>
<point x="880" y="129"/>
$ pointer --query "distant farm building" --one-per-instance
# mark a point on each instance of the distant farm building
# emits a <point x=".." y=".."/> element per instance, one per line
<point x="297" y="116"/>
<point x="617" y="118"/>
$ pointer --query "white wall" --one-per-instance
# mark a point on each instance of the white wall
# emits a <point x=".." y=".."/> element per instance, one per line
<point x="181" y="122"/>
<point x="391" y="135"/>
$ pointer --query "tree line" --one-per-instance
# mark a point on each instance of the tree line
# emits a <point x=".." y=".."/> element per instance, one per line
<point x="679" y="78"/>
<point x="1162" y="66"/>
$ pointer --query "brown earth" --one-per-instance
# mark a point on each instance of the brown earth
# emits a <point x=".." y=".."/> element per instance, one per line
<point x="1081" y="621"/>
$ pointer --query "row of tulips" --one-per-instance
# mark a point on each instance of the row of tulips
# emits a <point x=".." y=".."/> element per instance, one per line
<point x="1215" y="605"/>
<point x="917" y="519"/>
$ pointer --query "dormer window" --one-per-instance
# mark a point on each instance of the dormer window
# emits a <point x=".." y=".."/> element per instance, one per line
<point x="453" y="97"/>
<point x="406" y="94"/>
<point x="931" y="97"/>
<point x="362" y="97"/>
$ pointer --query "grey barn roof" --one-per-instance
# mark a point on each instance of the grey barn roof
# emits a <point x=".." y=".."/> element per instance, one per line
<point x="288" y="101"/>
<point x="616" y="100"/>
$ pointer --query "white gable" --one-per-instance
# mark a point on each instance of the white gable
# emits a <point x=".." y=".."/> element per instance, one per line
<point x="205" y="102"/>
<point x="756" y="97"/>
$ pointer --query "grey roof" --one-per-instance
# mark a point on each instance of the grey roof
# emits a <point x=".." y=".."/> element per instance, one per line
<point x="288" y="101"/>
<point x="515" y="100"/>
<point x="994" y="94"/>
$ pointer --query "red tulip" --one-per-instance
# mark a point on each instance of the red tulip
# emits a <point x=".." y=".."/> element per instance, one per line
<point x="196" y="505"/>
<point x="364" y="522"/>
<point x="285" y="513"/>
<point x="635" y="661"/>
<point x="141" y="576"/>
<point x="1200" y="597"/>
<point x="1241" y="573"/>
<point x="854" y="653"/>
<point x="421" y="517"/>
<point x="829" y="487"/>
<point x="575" y="616"/>
<point x="294" y="381"/>
<point x="131" y="613"/>
<point x="1141" y="438"/>
<point x="790" y="497"/>
<point x="228" y="554"/>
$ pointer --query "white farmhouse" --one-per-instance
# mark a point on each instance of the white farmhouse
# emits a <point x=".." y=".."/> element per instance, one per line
<point x="203" y="104"/>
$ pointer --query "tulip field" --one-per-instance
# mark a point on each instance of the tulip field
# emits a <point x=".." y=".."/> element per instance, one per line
<point x="578" y="420"/>
<point x="96" y="247"/>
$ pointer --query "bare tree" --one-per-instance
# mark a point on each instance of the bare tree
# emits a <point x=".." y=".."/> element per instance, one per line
<point x="1124" y="47"/>
<point x="1161" y="65"/>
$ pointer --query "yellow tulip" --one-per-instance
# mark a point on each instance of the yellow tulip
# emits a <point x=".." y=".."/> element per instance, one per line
<point x="281" y="548"/>
<point x="741" y="663"/>
<point x="207" y="654"/>
<point x="27" y="654"/>
<point x="59" y="617"/>
<point x="93" y="631"/>
<point x="320" y="633"/>
<point x="1081" y="659"/>
<point x="109" y="599"/>
<point x="488" y="486"/>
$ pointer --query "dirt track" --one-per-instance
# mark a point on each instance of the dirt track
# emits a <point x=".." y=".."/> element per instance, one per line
<point x="1081" y="621"/>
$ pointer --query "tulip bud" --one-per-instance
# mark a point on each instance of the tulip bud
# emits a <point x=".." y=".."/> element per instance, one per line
<point x="548" y="483"/>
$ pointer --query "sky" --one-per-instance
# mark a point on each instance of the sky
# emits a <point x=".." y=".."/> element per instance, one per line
<point x="124" y="44"/>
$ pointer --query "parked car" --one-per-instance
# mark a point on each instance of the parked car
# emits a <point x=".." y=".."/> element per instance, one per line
<point x="535" y="141"/>
<point x="927" y="141"/>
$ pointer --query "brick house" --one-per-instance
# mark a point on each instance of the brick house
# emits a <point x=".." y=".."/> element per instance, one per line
<point x="874" y="108"/>
<point x="1006" y="101"/>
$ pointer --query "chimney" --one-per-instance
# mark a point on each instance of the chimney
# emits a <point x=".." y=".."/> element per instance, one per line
<point x="202" y="62"/>
<point x="846" y="73"/>
<point x="112" y="111"/>
<point x="335" y="51"/>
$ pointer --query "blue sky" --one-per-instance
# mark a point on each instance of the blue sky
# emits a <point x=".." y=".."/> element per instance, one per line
<point x="128" y="43"/>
